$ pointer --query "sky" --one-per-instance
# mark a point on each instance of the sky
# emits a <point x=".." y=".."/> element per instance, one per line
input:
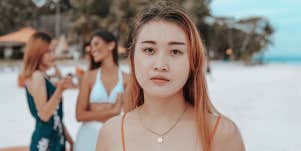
<point x="283" y="15"/>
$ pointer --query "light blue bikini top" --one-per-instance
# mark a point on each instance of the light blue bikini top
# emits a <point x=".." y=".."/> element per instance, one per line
<point x="99" y="94"/>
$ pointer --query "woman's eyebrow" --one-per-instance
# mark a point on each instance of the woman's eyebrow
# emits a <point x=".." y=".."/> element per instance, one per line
<point x="176" y="43"/>
<point x="169" y="43"/>
<point x="148" y="42"/>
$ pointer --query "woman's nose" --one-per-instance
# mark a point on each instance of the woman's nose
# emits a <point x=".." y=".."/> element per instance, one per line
<point x="161" y="63"/>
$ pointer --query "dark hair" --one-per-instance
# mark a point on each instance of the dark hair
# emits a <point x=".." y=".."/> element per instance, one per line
<point x="42" y="35"/>
<point x="92" y="63"/>
<point x="108" y="37"/>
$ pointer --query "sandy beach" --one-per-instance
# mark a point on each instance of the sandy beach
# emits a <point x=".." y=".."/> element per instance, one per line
<point x="263" y="101"/>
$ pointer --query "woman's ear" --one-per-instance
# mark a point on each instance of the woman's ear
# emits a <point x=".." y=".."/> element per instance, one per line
<point x="111" y="45"/>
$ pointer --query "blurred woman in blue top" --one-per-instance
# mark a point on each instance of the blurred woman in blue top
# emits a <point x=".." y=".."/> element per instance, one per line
<point x="100" y="96"/>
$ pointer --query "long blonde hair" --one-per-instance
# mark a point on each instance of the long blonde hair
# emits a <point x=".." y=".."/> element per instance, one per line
<point x="36" y="47"/>
<point x="195" y="89"/>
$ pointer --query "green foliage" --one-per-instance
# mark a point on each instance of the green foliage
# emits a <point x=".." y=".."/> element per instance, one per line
<point x="19" y="13"/>
<point x="245" y="37"/>
<point x="15" y="14"/>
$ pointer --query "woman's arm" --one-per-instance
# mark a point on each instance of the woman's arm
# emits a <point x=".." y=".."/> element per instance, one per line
<point x="38" y="91"/>
<point x="68" y="137"/>
<point x="83" y="112"/>
<point x="100" y="106"/>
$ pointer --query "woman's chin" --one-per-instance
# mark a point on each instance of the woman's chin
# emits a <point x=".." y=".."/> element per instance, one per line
<point x="161" y="94"/>
<point x="98" y="59"/>
<point x="50" y="65"/>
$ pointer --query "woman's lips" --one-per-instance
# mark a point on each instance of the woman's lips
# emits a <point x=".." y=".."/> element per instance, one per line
<point x="159" y="80"/>
<point x="94" y="53"/>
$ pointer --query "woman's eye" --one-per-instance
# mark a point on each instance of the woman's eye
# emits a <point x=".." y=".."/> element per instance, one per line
<point x="95" y="44"/>
<point x="176" y="52"/>
<point x="148" y="51"/>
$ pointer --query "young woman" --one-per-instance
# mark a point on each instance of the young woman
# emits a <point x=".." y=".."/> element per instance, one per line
<point x="100" y="92"/>
<point x="44" y="99"/>
<point x="91" y="63"/>
<point x="171" y="109"/>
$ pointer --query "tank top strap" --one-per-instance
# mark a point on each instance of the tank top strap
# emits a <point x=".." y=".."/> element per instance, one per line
<point x="98" y="76"/>
<point x="215" y="128"/>
<point x="120" y="76"/>
<point x="122" y="132"/>
<point x="97" y="84"/>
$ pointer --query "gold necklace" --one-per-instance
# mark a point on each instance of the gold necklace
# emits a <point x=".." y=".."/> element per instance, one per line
<point x="160" y="138"/>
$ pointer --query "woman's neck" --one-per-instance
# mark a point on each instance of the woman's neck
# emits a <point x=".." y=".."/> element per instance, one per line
<point x="168" y="108"/>
<point x="108" y="65"/>
<point x="43" y="69"/>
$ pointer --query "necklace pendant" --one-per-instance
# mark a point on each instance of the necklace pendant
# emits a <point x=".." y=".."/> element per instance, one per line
<point x="160" y="140"/>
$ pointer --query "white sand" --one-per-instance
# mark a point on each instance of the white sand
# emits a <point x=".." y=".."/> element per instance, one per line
<point x="262" y="100"/>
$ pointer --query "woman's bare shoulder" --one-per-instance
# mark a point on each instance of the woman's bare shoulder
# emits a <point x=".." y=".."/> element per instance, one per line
<point x="111" y="131"/>
<point x="112" y="124"/>
<point x="36" y="78"/>
<point x="109" y="134"/>
<point x="112" y="128"/>
<point x="89" y="76"/>
<point x="91" y="73"/>
<point x="227" y="136"/>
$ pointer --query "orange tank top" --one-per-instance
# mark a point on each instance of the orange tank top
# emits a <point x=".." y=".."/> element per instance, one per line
<point x="122" y="130"/>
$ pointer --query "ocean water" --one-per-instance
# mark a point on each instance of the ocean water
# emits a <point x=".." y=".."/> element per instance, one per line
<point x="283" y="59"/>
<point x="293" y="58"/>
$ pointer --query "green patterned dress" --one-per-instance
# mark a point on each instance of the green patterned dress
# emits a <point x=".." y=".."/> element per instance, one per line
<point x="47" y="136"/>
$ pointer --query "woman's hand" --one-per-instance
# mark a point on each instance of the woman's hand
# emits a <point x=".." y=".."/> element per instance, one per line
<point x="71" y="143"/>
<point x="65" y="83"/>
<point x="100" y="106"/>
<point x="108" y="106"/>
<point x="68" y="137"/>
<point x="118" y="105"/>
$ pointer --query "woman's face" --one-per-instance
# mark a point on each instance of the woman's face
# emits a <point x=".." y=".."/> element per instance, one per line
<point x="161" y="59"/>
<point x="48" y="59"/>
<point x="88" y="52"/>
<point x="100" y="49"/>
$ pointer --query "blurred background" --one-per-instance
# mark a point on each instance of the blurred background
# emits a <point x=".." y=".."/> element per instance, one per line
<point x="254" y="60"/>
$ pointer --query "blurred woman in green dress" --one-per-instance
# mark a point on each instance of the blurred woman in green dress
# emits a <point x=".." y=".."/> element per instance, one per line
<point x="44" y="98"/>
